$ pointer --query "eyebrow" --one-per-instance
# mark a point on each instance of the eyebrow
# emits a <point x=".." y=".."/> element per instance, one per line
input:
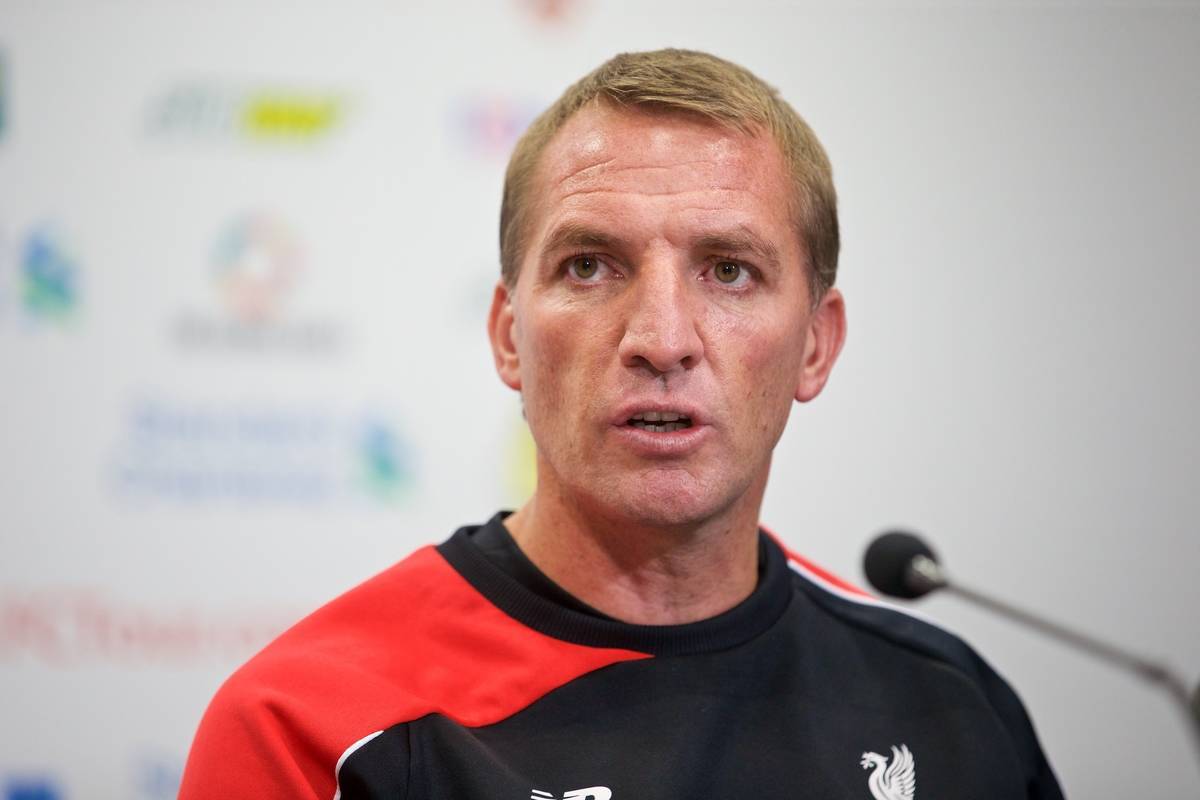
<point x="575" y="235"/>
<point x="740" y="240"/>
<point x="737" y="240"/>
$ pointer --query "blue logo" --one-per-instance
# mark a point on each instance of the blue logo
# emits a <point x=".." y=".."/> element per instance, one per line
<point x="49" y="276"/>
<point x="31" y="787"/>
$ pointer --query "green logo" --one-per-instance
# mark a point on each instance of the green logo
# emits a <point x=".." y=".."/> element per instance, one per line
<point x="385" y="462"/>
<point x="49" y="276"/>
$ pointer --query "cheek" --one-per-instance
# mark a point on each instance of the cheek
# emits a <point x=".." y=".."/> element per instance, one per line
<point x="552" y="347"/>
<point x="762" y="363"/>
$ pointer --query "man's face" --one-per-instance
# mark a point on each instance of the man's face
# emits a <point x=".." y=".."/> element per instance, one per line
<point x="661" y="325"/>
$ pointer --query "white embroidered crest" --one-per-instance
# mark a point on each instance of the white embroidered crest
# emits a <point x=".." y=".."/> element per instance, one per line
<point x="592" y="793"/>
<point x="895" y="781"/>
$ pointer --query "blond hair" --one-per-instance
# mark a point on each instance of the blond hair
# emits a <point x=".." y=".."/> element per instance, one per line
<point x="690" y="82"/>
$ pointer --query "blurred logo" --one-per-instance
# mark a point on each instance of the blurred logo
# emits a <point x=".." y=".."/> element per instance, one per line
<point x="157" y="776"/>
<point x="8" y="272"/>
<point x="49" y="275"/>
<point x="260" y="455"/>
<point x="3" y="94"/>
<point x="522" y="463"/>
<point x="198" y="111"/>
<point x="489" y="125"/>
<point x="257" y="262"/>
<point x="385" y="468"/>
<point x="68" y="626"/>
<point x="31" y="787"/>
<point x="550" y="11"/>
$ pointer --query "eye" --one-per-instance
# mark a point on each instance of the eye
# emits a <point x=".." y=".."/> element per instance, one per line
<point x="584" y="267"/>
<point x="729" y="272"/>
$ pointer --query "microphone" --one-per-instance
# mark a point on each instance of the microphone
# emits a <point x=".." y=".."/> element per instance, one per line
<point x="900" y="564"/>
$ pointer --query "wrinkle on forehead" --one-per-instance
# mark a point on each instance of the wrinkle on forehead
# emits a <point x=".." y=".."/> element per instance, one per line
<point x="651" y="176"/>
<point x="663" y="193"/>
<point x="591" y="171"/>
<point x="586" y="171"/>
<point x="608" y="153"/>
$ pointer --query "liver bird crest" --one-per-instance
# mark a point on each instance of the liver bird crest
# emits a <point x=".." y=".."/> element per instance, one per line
<point x="895" y="781"/>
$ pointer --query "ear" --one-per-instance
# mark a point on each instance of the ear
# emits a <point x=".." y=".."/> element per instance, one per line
<point x="823" y="341"/>
<point x="501" y="322"/>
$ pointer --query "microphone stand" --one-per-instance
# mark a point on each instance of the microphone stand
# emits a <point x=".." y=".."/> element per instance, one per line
<point x="924" y="574"/>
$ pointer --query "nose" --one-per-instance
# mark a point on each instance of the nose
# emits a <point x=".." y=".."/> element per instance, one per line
<point x="661" y="333"/>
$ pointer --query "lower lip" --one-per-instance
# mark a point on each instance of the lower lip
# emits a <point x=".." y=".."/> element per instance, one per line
<point x="670" y="444"/>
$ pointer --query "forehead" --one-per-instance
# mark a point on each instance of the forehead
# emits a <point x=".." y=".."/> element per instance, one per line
<point x="604" y="155"/>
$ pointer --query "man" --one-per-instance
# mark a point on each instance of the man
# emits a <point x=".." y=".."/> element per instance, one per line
<point x="669" y="245"/>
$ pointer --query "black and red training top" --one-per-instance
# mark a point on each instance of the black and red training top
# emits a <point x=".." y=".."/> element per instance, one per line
<point x="463" y="672"/>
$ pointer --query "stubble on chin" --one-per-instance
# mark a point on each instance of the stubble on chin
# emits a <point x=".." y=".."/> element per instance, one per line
<point x="660" y="497"/>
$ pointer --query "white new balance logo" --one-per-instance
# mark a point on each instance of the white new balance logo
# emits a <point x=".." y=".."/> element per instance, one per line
<point x="594" y="793"/>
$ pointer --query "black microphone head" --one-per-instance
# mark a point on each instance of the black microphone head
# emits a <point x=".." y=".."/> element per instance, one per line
<point x="888" y="563"/>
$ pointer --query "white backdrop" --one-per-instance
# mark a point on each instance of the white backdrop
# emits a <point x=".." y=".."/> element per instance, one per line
<point x="245" y="254"/>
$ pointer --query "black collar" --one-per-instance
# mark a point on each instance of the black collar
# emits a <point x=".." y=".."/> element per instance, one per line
<point x="529" y="597"/>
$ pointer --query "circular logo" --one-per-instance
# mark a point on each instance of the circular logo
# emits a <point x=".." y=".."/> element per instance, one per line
<point x="257" y="262"/>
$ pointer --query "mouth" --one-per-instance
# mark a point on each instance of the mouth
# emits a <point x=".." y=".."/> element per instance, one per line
<point x="660" y="421"/>
<point x="653" y="429"/>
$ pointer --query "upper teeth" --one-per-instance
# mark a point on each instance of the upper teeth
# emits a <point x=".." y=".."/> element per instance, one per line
<point x="659" y="416"/>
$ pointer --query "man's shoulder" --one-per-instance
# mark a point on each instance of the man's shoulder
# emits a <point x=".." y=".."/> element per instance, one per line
<point x="901" y="635"/>
<point x="415" y="639"/>
<point x="347" y="630"/>
<point x="320" y="683"/>
<point x="888" y="624"/>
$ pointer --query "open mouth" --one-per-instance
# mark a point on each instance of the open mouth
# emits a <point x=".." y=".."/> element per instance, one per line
<point x="660" y="421"/>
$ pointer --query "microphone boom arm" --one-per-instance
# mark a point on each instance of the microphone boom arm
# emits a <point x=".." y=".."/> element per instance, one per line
<point x="924" y="574"/>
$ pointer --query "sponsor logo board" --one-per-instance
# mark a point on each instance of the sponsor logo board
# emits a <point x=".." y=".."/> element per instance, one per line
<point x="260" y="454"/>
<point x="210" y="112"/>
<point x="256" y="266"/>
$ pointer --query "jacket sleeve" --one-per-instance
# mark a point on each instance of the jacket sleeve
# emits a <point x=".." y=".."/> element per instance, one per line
<point x="247" y="747"/>
<point x="1040" y="779"/>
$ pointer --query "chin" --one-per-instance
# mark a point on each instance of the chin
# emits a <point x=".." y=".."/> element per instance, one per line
<point x="665" y="501"/>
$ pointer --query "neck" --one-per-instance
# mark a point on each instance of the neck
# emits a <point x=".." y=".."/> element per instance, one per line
<point x="643" y="573"/>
